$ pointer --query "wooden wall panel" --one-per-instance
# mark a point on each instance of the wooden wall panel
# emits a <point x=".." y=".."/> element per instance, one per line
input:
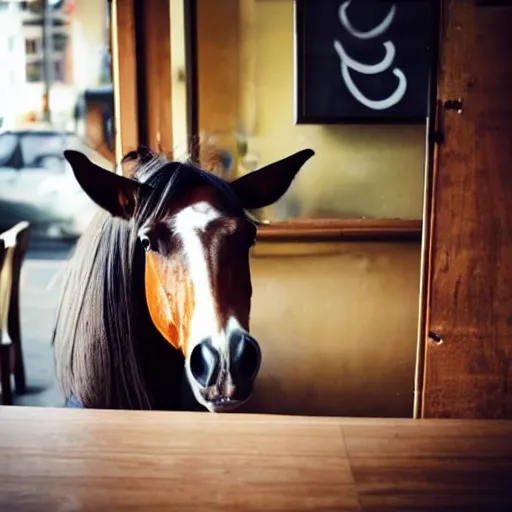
<point x="142" y="75"/>
<point x="468" y="371"/>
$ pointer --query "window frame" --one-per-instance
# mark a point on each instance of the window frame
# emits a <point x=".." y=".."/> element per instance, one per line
<point x="304" y="229"/>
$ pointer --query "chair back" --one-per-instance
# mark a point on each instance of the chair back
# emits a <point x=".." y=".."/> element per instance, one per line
<point x="13" y="243"/>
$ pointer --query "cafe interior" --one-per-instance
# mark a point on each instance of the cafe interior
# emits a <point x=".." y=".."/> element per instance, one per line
<point x="381" y="278"/>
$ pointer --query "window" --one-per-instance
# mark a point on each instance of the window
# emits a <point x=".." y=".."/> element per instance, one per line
<point x="34" y="71"/>
<point x="58" y="74"/>
<point x="59" y="42"/>
<point x="246" y="106"/>
<point x="31" y="46"/>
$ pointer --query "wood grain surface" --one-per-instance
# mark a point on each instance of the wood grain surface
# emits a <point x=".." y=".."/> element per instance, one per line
<point x="469" y="375"/>
<point x="341" y="229"/>
<point x="70" y="460"/>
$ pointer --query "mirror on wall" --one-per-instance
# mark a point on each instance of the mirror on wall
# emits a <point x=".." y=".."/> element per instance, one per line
<point x="249" y="74"/>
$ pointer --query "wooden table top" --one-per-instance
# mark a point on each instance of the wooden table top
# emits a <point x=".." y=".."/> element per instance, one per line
<point x="71" y="459"/>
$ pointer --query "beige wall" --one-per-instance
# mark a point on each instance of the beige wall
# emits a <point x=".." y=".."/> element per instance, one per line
<point x="337" y="327"/>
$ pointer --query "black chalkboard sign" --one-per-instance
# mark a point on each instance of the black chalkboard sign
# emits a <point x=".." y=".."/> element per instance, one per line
<point x="363" y="60"/>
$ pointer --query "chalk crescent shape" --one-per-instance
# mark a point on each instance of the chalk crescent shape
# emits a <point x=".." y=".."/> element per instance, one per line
<point x="375" y="104"/>
<point x="367" y="69"/>
<point x="374" y="32"/>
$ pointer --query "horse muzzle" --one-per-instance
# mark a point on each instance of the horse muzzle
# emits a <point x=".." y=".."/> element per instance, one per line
<point x="223" y="378"/>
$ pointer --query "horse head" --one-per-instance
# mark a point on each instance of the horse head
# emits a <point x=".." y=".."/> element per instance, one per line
<point x="197" y="275"/>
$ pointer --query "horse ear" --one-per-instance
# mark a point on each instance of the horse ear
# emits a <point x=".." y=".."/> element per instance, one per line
<point x="266" y="185"/>
<point x="115" y="194"/>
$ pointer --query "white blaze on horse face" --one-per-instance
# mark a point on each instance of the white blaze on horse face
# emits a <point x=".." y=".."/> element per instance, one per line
<point x="188" y="225"/>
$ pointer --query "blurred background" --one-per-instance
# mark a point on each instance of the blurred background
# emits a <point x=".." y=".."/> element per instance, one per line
<point x="55" y="57"/>
<point x="55" y="94"/>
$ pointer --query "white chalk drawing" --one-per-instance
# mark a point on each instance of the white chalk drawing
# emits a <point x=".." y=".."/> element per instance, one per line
<point x="367" y="69"/>
<point x="347" y="63"/>
<point x="374" y="32"/>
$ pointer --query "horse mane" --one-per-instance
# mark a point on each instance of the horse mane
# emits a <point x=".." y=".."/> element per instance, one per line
<point x="102" y="324"/>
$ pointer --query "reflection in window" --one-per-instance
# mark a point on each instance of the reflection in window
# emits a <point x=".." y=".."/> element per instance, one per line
<point x="246" y="107"/>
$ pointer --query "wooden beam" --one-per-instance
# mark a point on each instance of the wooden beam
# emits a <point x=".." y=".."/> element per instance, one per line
<point x="154" y="69"/>
<point x="341" y="229"/>
<point x="124" y="71"/>
<point x="468" y="353"/>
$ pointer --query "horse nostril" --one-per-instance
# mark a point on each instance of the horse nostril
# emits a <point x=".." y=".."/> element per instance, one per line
<point x="245" y="355"/>
<point x="205" y="363"/>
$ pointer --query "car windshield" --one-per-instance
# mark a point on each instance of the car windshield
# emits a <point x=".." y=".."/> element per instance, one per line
<point x="43" y="150"/>
<point x="37" y="146"/>
<point x="7" y="146"/>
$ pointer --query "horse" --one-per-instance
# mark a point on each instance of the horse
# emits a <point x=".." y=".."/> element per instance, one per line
<point x="157" y="294"/>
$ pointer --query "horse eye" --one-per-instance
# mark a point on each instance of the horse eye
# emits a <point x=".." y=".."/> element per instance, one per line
<point x="146" y="242"/>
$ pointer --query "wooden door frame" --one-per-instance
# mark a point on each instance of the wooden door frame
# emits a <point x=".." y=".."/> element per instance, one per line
<point x="124" y="70"/>
<point x="453" y="385"/>
<point x="432" y="145"/>
<point x="141" y="62"/>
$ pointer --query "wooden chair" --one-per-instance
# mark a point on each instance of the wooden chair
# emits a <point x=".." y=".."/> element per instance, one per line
<point x="13" y="244"/>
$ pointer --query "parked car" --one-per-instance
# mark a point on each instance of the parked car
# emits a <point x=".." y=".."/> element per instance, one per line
<point x="37" y="183"/>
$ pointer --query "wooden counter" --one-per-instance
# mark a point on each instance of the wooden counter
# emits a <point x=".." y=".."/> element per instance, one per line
<point x="69" y="460"/>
